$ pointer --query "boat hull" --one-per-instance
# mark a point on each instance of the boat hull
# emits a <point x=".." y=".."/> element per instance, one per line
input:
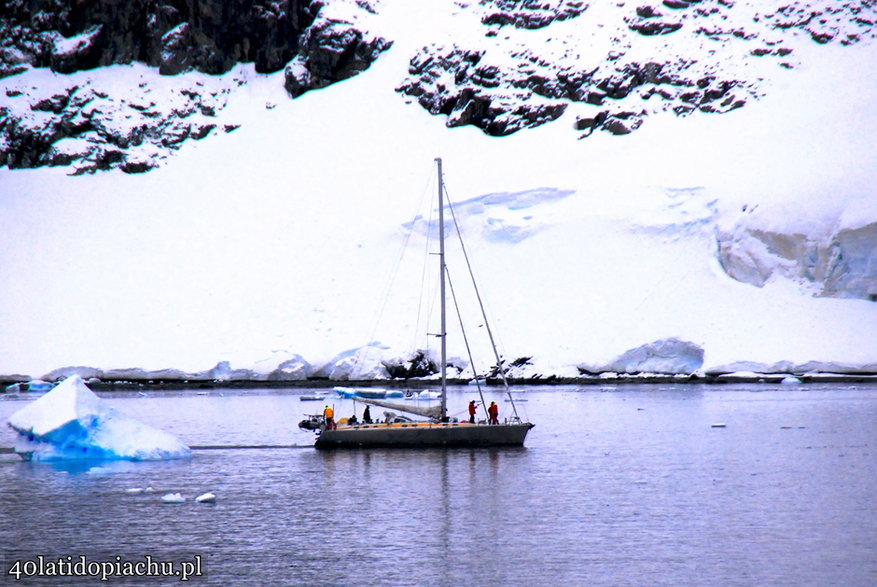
<point x="424" y="435"/>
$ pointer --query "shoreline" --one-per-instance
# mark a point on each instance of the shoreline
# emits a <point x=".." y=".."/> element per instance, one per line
<point x="321" y="383"/>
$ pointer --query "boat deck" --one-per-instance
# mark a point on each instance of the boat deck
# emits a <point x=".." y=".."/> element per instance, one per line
<point x="423" y="434"/>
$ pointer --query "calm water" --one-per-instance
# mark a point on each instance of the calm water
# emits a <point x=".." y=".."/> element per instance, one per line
<point x="627" y="485"/>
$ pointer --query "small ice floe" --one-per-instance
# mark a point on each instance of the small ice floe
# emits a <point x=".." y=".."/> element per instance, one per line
<point x="425" y="394"/>
<point x="718" y="425"/>
<point x="206" y="498"/>
<point x="135" y="490"/>
<point x="35" y="385"/>
<point x="173" y="498"/>
<point x="790" y="380"/>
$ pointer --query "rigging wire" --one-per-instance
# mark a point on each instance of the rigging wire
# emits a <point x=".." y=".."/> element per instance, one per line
<point x="424" y="284"/>
<point x="465" y="339"/>
<point x="499" y="366"/>
<point x="394" y="272"/>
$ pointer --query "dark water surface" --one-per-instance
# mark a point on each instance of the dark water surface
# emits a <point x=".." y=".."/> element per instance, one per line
<point x="619" y="485"/>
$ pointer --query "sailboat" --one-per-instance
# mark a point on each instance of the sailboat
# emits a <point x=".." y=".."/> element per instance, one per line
<point x="438" y="430"/>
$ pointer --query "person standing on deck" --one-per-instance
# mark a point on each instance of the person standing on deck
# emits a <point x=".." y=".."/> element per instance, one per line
<point x="493" y="413"/>
<point x="329" y="416"/>
<point x="367" y="415"/>
<point x="472" y="410"/>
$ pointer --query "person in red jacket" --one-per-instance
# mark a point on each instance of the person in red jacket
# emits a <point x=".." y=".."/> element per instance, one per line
<point x="493" y="413"/>
<point x="472" y="410"/>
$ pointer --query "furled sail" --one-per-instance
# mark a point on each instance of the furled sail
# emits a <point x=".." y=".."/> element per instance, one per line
<point x="426" y="412"/>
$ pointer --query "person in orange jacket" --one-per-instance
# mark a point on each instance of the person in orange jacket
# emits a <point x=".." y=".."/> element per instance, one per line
<point x="329" y="415"/>
<point x="493" y="413"/>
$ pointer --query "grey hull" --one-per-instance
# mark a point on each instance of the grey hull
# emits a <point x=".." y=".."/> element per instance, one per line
<point x="424" y="435"/>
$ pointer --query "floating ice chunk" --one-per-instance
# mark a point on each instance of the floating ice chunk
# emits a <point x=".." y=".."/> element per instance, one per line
<point x="173" y="498"/>
<point x="71" y="422"/>
<point x="35" y="385"/>
<point x="206" y="498"/>
<point x="790" y="380"/>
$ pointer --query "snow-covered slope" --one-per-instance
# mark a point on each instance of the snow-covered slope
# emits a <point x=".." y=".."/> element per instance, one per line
<point x="270" y="247"/>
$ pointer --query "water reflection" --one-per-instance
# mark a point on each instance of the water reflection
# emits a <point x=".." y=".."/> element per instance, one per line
<point x="624" y="486"/>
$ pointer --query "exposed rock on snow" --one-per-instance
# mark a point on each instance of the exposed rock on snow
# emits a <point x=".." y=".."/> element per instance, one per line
<point x="210" y="36"/>
<point x="505" y="88"/>
<point x="90" y="123"/>
<point x="529" y="14"/>
<point x="503" y="85"/>
<point x="331" y="50"/>
<point x="71" y="422"/>
<point x="670" y="356"/>
<point x="846" y="21"/>
<point x="86" y="121"/>
<point x="419" y="364"/>
<point x="500" y="84"/>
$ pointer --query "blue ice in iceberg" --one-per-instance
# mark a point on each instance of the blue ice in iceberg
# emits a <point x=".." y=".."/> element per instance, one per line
<point x="71" y="422"/>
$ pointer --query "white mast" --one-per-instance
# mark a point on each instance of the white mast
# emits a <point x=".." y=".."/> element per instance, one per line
<point x="443" y="330"/>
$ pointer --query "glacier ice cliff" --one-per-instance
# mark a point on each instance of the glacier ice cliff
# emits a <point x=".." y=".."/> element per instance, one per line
<point x="71" y="422"/>
<point x="669" y="356"/>
<point x="840" y="263"/>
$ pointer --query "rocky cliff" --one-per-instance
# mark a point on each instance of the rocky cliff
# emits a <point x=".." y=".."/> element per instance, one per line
<point x="613" y="63"/>
<point x="172" y="35"/>
<point x="636" y="58"/>
<point x="91" y="124"/>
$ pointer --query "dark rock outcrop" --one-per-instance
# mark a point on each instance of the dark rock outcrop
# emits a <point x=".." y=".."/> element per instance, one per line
<point x="331" y="51"/>
<point x="530" y="14"/>
<point x="847" y="21"/>
<point x="503" y="85"/>
<point x="95" y="127"/>
<point x="473" y="88"/>
<point x="419" y="364"/>
<point x="86" y="127"/>
<point x="174" y="35"/>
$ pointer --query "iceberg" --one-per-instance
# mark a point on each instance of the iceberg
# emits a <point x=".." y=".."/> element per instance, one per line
<point x="71" y="422"/>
